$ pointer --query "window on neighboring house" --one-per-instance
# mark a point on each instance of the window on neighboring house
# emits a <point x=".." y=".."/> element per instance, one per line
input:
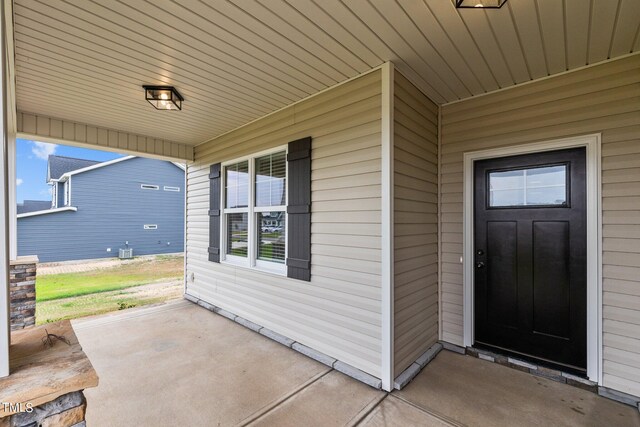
<point x="254" y="213"/>
<point x="168" y="188"/>
<point x="67" y="192"/>
<point x="149" y="187"/>
<point x="54" y="195"/>
<point x="151" y="226"/>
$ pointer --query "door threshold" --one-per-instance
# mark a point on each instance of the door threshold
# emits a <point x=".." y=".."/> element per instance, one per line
<point x="515" y="362"/>
<point x="532" y="360"/>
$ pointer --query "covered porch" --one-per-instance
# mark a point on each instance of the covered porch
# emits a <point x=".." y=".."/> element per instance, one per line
<point x="332" y="202"/>
<point x="181" y="365"/>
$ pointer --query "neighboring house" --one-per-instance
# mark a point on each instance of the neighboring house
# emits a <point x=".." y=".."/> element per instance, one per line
<point x="97" y="208"/>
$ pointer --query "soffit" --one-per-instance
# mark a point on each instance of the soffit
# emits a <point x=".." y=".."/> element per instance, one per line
<point x="235" y="61"/>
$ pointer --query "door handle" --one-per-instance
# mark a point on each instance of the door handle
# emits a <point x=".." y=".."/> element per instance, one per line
<point x="480" y="264"/>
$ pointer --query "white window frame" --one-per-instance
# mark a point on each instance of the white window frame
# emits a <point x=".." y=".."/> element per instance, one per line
<point x="149" y="187"/>
<point x="54" y="193"/>
<point x="170" y="188"/>
<point x="150" y="226"/>
<point x="252" y="261"/>
<point x="67" y="192"/>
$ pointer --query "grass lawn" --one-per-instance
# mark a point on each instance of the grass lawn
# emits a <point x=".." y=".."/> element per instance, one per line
<point x="105" y="302"/>
<point x="58" y="286"/>
<point x="142" y="282"/>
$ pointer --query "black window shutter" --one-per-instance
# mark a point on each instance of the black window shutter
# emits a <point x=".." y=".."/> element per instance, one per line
<point x="214" y="213"/>
<point x="299" y="210"/>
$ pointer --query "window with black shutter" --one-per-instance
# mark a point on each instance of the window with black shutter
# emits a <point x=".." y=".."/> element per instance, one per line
<point x="214" y="213"/>
<point x="299" y="210"/>
<point x="261" y="211"/>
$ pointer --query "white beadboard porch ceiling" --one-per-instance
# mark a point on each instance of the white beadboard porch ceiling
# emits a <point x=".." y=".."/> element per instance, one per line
<point x="235" y="61"/>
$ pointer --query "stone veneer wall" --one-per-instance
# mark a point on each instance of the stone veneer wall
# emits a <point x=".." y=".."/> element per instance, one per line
<point x="67" y="410"/>
<point x="22" y="292"/>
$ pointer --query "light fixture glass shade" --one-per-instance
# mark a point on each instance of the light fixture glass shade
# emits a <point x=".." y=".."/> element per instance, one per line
<point x="163" y="97"/>
<point x="481" y="4"/>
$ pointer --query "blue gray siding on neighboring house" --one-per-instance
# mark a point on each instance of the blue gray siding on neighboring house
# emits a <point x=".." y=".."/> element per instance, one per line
<point x="60" y="194"/>
<point x="112" y="209"/>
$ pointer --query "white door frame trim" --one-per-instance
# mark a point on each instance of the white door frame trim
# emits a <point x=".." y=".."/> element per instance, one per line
<point x="592" y="143"/>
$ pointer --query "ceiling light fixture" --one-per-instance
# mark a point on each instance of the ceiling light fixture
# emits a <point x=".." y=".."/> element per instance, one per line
<point x="480" y="4"/>
<point x="163" y="97"/>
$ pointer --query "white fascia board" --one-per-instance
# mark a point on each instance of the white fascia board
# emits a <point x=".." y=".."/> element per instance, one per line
<point x="97" y="166"/>
<point x="180" y="166"/>
<point x="48" y="211"/>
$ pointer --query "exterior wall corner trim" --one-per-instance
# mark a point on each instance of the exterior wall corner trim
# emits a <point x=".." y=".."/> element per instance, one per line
<point x="387" y="227"/>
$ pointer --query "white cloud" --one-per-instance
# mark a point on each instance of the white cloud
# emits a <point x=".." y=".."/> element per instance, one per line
<point x="43" y="150"/>
<point x="19" y="181"/>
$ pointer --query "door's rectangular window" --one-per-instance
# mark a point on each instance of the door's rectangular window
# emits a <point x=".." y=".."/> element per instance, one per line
<point x="271" y="239"/>
<point x="237" y="233"/>
<point x="271" y="176"/>
<point x="540" y="186"/>
<point x="237" y="185"/>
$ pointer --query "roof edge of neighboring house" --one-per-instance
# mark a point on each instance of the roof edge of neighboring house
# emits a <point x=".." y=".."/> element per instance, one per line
<point x="47" y="211"/>
<point x="92" y="167"/>
<point x="66" y="175"/>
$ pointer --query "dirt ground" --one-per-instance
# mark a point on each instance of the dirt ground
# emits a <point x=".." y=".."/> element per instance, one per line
<point x="48" y="268"/>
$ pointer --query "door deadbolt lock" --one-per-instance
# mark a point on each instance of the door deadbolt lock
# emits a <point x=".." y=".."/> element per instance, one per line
<point x="480" y="264"/>
<point x="479" y="252"/>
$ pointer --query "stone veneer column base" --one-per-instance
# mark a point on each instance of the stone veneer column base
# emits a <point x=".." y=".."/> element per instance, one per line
<point x="22" y="292"/>
<point x="67" y="410"/>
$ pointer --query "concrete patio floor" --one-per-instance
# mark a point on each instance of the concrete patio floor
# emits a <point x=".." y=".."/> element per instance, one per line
<point x="179" y="364"/>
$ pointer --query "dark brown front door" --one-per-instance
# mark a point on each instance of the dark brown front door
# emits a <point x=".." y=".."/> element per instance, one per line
<point x="530" y="256"/>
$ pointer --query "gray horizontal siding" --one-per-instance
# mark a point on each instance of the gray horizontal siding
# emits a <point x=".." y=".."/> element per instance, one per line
<point x="112" y="209"/>
<point x="60" y="193"/>
<point x="415" y="223"/>
<point x="601" y="99"/>
<point x="338" y="312"/>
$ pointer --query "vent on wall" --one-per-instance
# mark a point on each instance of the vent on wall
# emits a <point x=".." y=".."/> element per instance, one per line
<point x="149" y="187"/>
<point x="151" y="226"/>
<point x="168" y="188"/>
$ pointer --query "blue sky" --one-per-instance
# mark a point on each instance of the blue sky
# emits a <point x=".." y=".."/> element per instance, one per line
<point x="31" y="165"/>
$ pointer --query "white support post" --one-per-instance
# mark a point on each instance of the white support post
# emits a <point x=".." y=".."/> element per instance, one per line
<point x="387" y="227"/>
<point x="4" y="217"/>
<point x="11" y="127"/>
<point x="12" y="197"/>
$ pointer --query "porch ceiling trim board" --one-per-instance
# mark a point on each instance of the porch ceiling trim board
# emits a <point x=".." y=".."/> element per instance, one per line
<point x="56" y="131"/>
<point x="238" y="61"/>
